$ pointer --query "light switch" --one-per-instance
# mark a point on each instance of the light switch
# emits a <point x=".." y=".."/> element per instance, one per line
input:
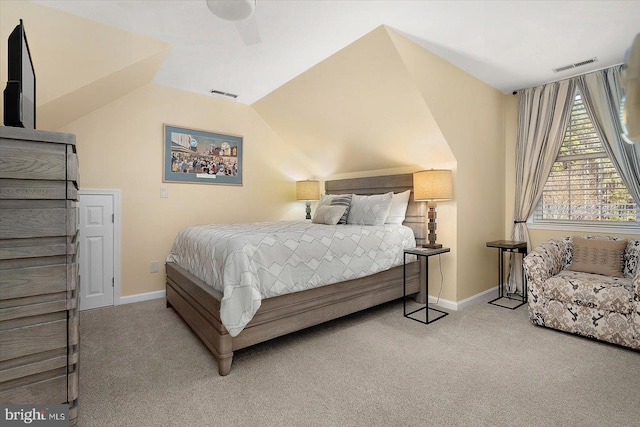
<point x="164" y="192"/>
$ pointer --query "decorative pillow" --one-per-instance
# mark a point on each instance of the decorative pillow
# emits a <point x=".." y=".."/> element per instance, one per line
<point x="369" y="210"/>
<point x="329" y="215"/>
<point x="398" y="210"/>
<point x="337" y="200"/>
<point x="598" y="256"/>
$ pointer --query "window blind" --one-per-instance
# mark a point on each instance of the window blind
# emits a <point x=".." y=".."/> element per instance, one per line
<point x="583" y="184"/>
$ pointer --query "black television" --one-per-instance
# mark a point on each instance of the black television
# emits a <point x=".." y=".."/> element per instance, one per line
<point x="20" y="93"/>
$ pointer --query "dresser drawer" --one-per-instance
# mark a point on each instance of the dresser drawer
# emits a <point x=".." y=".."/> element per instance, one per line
<point x="32" y="189"/>
<point x="33" y="339"/>
<point x="37" y="222"/>
<point x="30" y="281"/>
<point x="38" y="247"/>
<point x="46" y="391"/>
<point x="32" y="160"/>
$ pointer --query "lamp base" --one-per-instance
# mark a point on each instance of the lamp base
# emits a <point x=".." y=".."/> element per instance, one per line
<point x="308" y="203"/>
<point x="432" y="245"/>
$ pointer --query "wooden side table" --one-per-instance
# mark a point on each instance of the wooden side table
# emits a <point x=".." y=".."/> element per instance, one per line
<point x="513" y="247"/>
<point x="421" y="252"/>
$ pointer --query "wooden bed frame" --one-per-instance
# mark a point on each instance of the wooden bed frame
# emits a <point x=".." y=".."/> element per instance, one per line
<point x="199" y="304"/>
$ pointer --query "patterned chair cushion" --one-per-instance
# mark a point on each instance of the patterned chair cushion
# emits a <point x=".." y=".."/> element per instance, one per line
<point x="604" y="325"/>
<point x="591" y="290"/>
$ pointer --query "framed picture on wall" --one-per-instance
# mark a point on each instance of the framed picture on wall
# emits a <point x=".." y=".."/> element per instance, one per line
<point x="198" y="156"/>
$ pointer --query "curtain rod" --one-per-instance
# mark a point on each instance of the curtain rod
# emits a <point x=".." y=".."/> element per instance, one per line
<point x="515" y="92"/>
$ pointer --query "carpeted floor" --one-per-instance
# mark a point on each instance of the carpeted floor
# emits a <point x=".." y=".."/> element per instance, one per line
<point x="482" y="366"/>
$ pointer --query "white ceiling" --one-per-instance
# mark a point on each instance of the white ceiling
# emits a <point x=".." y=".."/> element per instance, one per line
<point x="507" y="44"/>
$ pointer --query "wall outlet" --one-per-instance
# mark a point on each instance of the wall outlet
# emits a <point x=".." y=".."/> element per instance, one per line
<point x="164" y="192"/>
<point x="154" y="267"/>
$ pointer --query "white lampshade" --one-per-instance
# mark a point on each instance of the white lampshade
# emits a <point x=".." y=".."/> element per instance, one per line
<point x="434" y="184"/>
<point x="308" y="190"/>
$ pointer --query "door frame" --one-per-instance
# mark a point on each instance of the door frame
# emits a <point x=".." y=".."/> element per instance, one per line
<point x="115" y="195"/>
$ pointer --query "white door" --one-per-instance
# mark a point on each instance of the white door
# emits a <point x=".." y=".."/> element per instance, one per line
<point x="96" y="250"/>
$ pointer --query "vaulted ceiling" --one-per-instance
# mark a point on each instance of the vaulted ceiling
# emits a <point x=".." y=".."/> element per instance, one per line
<point x="506" y="44"/>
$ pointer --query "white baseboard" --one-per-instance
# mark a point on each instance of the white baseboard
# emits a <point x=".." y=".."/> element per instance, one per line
<point x="142" y="297"/>
<point x="484" y="296"/>
<point x="444" y="303"/>
<point x="472" y="300"/>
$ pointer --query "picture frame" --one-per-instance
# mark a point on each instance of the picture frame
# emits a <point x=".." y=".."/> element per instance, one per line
<point x="202" y="157"/>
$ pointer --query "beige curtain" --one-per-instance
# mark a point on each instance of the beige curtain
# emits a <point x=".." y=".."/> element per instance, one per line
<point x="543" y="115"/>
<point x="601" y="93"/>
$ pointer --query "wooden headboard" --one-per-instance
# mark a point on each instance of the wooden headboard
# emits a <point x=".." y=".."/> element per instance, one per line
<point x="416" y="211"/>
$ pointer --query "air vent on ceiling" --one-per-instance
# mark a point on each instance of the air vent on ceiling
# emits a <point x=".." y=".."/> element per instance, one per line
<point x="575" y="65"/>
<point x="221" y="93"/>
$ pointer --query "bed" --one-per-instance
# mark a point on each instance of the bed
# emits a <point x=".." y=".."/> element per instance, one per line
<point x="200" y="304"/>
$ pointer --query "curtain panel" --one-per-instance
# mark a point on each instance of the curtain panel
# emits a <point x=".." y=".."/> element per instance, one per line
<point x="601" y="93"/>
<point x="543" y="115"/>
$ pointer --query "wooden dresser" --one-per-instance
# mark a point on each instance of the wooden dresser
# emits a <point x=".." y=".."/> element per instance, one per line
<point x="39" y="327"/>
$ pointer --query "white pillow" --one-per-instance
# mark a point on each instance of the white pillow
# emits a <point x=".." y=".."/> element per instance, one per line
<point x="329" y="215"/>
<point x="369" y="210"/>
<point x="398" y="209"/>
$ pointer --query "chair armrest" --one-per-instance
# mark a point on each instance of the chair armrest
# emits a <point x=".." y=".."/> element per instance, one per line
<point x="545" y="261"/>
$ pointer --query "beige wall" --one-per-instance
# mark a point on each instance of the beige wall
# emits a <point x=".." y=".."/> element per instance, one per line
<point x="470" y="115"/>
<point x="358" y="110"/>
<point x="120" y="146"/>
<point x="80" y="65"/>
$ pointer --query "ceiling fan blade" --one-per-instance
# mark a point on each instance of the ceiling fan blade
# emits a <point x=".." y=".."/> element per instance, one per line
<point x="248" y="30"/>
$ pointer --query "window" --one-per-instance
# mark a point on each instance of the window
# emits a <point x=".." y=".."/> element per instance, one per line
<point x="584" y="186"/>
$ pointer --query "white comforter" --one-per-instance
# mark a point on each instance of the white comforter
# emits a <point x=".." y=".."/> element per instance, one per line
<point x="249" y="262"/>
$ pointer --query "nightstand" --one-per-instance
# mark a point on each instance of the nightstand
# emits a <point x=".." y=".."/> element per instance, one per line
<point x="420" y="252"/>
<point x="513" y="247"/>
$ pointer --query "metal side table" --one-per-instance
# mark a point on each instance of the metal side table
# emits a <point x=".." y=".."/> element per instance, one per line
<point x="513" y="247"/>
<point x="420" y="252"/>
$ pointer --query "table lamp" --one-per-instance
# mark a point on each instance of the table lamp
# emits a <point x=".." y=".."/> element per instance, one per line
<point x="308" y="191"/>
<point x="432" y="185"/>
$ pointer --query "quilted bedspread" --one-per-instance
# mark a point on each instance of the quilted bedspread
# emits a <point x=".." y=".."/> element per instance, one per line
<point x="249" y="262"/>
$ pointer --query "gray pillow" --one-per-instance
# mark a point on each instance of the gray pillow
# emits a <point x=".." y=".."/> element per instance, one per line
<point x="337" y="200"/>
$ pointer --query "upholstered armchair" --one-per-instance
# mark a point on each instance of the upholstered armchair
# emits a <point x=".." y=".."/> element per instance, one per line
<point x="562" y="295"/>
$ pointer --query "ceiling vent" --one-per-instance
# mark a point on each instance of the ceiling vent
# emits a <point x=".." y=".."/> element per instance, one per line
<point x="575" y="65"/>
<point x="225" y="94"/>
